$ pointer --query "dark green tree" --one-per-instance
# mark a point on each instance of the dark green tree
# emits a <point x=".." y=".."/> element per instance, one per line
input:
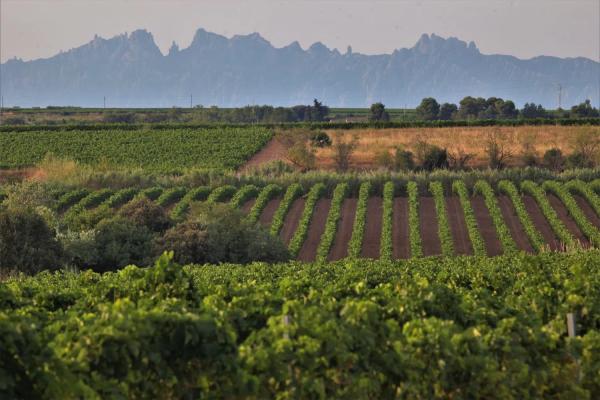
<point x="530" y="110"/>
<point x="448" y="111"/>
<point x="378" y="113"/>
<point x="428" y="110"/>
<point x="584" y="110"/>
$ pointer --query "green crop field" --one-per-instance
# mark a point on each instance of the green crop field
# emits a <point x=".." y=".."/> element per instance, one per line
<point x="424" y="328"/>
<point x="153" y="150"/>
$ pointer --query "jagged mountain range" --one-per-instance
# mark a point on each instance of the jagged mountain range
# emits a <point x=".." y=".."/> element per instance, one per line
<point x="130" y="71"/>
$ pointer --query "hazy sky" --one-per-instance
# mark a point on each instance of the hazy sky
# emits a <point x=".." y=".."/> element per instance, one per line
<point x="525" y="28"/>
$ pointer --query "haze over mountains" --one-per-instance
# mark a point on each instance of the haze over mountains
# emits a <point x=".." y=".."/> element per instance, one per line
<point x="131" y="71"/>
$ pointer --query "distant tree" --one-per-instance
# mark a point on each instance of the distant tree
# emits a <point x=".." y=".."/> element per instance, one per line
<point x="447" y="111"/>
<point x="378" y="113"/>
<point x="507" y="109"/>
<point x="530" y="110"/>
<point x="428" y="110"/>
<point x="471" y="107"/>
<point x="584" y="110"/>
<point x="319" y="111"/>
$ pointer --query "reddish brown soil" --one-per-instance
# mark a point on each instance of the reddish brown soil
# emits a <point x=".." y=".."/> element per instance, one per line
<point x="247" y="206"/>
<point x="308" y="252"/>
<point x="372" y="238"/>
<point x="486" y="226"/>
<point x="514" y="224"/>
<point x="400" y="239"/>
<point x="563" y="215"/>
<point x="290" y="224"/>
<point x="540" y="223"/>
<point x="266" y="217"/>
<point x="339" y="248"/>
<point x="19" y="174"/>
<point x="588" y="210"/>
<point x="429" y="227"/>
<point x="458" y="226"/>
<point x="273" y="151"/>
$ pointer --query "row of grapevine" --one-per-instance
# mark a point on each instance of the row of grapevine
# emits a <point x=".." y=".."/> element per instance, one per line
<point x="221" y="194"/>
<point x="386" y="245"/>
<point x="291" y="194"/>
<point x="560" y="230"/>
<point x="461" y="190"/>
<point x="170" y="196"/>
<point x="358" y="228"/>
<point x="414" y="233"/>
<point x="297" y="240"/>
<point x="244" y="194"/>
<point x="437" y="191"/>
<point x="331" y="225"/>
<point x="581" y="220"/>
<point x="535" y="238"/>
<point x="70" y="198"/>
<point x="586" y="191"/>
<point x="506" y="239"/>
<point x="196" y="194"/>
<point x="265" y="195"/>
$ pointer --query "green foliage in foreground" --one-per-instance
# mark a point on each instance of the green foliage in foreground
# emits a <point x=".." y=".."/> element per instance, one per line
<point x="424" y="328"/>
<point x="153" y="150"/>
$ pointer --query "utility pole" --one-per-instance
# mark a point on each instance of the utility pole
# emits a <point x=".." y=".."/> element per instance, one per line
<point x="559" y="96"/>
<point x="104" y="102"/>
<point x="191" y="101"/>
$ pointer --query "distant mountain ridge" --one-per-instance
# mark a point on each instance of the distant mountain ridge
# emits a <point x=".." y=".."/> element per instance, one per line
<point x="131" y="71"/>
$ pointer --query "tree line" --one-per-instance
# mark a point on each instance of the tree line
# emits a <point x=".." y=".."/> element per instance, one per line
<point x="492" y="108"/>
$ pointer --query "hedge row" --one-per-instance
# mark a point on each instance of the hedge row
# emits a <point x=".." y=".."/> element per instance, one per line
<point x="386" y="247"/>
<point x="291" y="194"/>
<point x="265" y="195"/>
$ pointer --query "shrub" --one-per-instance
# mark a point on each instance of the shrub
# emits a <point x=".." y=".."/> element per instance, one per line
<point x="188" y="241"/>
<point x="27" y="243"/>
<point x="120" y="242"/>
<point x="578" y="160"/>
<point x="403" y="160"/>
<point x="553" y="159"/>
<point x="384" y="159"/>
<point x="320" y="139"/>
<point x="28" y="194"/>
<point x="342" y="151"/>
<point x="221" y="234"/>
<point x="302" y="156"/>
<point x="145" y="212"/>
<point x="434" y="157"/>
<point x="80" y="248"/>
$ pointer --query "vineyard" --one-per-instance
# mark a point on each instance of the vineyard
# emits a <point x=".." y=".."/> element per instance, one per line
<point x="164" y="150"/>
<point x="426" y="328"/>
<point x="399" y="223"/>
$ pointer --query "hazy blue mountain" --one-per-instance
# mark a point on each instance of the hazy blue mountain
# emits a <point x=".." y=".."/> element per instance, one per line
<point x="131" y="71"/>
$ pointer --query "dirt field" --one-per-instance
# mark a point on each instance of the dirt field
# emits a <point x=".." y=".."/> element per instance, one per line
<point x="470" y="140"/>
<point x="339" y="248"/>
<point x="273" y="151"/>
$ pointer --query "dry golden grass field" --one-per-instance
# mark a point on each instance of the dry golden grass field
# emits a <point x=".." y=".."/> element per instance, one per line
<point x="516" y="141"/>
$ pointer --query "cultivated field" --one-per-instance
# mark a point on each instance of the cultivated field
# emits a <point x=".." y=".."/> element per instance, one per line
<point x="402" y="223"/>
<point x="162" y="150"/>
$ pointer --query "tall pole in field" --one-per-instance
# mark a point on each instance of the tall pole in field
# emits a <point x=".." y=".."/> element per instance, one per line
<point x="191" y="101"/>
<point x="559" y="96"/>
<point x="104" y="100"/>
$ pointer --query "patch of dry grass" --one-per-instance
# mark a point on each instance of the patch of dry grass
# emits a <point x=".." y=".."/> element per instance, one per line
<point x="536" y="139"/>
